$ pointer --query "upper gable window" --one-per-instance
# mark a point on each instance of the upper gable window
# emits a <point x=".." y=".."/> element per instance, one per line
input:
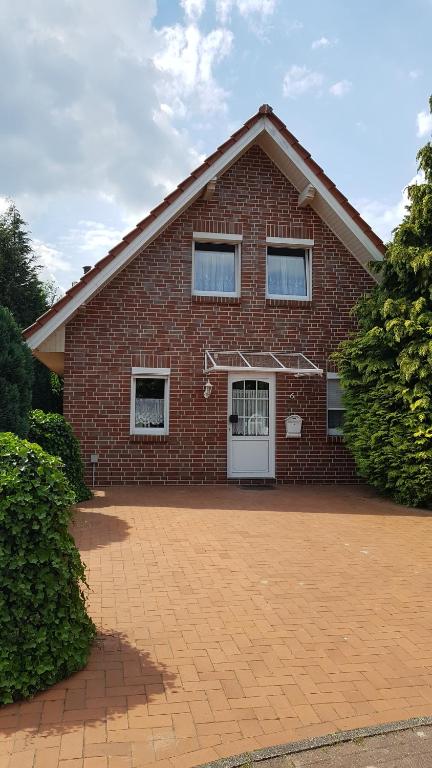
<point x="288" y="272"/>
<point x="216" y="269"/>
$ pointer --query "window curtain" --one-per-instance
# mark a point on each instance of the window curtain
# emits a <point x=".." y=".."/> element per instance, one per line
<point x="257" y="410"/>
<point x="214" y="271"/>
<point x="252" y="408"/>
<point x="286" y="275"/>
<point x="149" y="412"/>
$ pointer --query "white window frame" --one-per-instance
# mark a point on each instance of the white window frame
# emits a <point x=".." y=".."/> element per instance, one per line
<point x="335" y="431"/>
<point x="219" y="239"/>
<point x="150" y="373"/>
<point x="306" y="245"/>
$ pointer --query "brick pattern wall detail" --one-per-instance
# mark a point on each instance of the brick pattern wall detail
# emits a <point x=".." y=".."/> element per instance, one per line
<point x="147" y="314"/>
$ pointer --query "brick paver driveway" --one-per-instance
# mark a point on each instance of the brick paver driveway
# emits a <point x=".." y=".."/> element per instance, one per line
<point x="234" y="619"/>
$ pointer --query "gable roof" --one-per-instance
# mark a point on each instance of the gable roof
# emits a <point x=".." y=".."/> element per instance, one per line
<point x="288" y="154"/>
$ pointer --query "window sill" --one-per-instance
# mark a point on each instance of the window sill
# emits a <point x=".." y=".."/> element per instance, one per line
<point x="148" y="438"/>
<point x="304" y="303"/>
<point x="235" y="300"/>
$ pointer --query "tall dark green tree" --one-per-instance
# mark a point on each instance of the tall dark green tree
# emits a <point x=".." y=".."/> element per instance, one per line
<point x="386" y="368"/>
<point x="20" y="288"/>
<point x="26" y="296"/>
<point x="16" y="374"/>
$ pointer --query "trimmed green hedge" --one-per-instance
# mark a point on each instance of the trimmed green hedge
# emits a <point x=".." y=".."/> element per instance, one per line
<point x="46" y="633"/>
<point x="54" y="434"/>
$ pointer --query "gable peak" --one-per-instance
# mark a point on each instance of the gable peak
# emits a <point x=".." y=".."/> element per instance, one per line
<point x="265" y="109"/>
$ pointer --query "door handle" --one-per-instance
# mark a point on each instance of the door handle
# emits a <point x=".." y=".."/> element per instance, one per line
<point x="233" y="418"/>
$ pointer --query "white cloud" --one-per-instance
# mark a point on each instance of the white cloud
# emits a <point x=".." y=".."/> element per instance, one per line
<point x="84" y="244"/>
<point x="262" y="8"/>
<point x="193" y="8"/>
<point x="50" y="257"/>
<point x="322" y="42"/>
<point x="54" y="265"/>
<point x="341" y="88"/>
<point x="93" y="237"/>
<point x="88" y="129"/>
<point x="299" y="80"/>
<point x="414" y="74"/>
<point x="382" y="217"/>
<point x="424" y="124"/>
<point x="188" y="58"/>
<point x="84" y="114"/>
<point x="223" y="10"/>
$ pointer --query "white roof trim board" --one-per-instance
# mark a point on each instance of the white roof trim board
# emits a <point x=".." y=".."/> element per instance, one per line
<point x="275" y="145"/>
<point x="295" y="363"/>
<point x="323" y="192"/>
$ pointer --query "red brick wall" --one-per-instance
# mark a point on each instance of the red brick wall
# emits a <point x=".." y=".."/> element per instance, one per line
<point x="146" y="315"/>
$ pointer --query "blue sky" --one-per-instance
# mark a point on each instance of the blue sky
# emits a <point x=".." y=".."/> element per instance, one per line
<point x="105" y="106"/>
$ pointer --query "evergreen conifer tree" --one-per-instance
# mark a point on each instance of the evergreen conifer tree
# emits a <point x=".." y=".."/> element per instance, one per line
<point x="386" y="368"/>
<point x="20" y="288"/>
<point x="16" y="373"/>
<point x="26" y="296"/>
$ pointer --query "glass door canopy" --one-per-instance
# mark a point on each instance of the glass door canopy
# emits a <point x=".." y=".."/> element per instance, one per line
<point x="295" y="363"/>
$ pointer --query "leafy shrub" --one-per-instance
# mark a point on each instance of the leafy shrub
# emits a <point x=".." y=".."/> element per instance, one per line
<point x="16" y="377"/>
<point x="46" y="633"/>
<point x="47" y="389"/>
<point x="386" y="368"/>
<point x="54" y="434"/>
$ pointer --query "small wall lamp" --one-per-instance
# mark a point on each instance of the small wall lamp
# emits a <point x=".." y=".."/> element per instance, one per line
<point x="208" y="386"/>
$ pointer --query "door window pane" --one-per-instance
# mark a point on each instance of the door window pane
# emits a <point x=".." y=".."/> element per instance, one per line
<point x="250" y="401"/>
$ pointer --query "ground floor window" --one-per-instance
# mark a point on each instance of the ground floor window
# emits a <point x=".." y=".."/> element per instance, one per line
<point x="150" y="401"/>
<point x="335" y="407"/>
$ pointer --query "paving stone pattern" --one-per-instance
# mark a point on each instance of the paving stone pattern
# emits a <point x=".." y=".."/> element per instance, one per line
<point x="406" y="749"/>
<point x="231" y="620"/>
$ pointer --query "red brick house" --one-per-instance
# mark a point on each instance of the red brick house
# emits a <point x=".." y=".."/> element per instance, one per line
<point x="190" y="347"/>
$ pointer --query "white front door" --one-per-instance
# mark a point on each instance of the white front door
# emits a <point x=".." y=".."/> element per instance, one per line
<point x="251" y="425"/>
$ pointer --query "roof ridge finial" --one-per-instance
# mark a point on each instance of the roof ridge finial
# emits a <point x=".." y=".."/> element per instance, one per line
<point x="265" y="109"/>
